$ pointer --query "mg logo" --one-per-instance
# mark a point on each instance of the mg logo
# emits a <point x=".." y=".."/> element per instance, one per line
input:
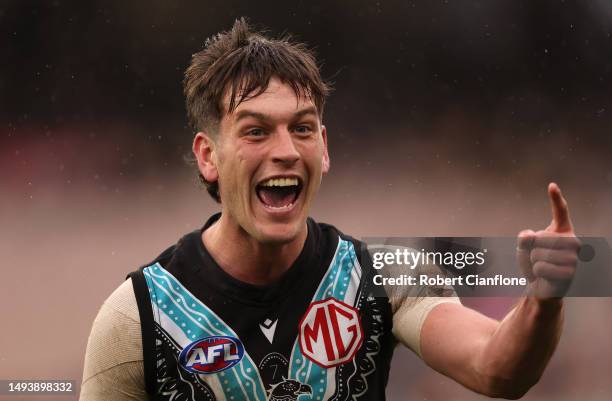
<point x="330" y="332"/>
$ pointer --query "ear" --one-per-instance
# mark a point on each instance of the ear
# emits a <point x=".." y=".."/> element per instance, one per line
<point x="205" y="153"/>
<point x="325" y="152"/>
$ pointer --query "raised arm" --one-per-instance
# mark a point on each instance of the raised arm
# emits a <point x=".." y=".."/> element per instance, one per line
<point x="504" y="359"/>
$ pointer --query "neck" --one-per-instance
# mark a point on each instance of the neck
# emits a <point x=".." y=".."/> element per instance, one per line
<point x="247" y="259"/>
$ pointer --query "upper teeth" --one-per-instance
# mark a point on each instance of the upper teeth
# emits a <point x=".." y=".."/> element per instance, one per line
<point x="280" y="182"/>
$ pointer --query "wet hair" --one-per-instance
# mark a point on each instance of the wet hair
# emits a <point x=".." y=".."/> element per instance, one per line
<point x="240" y="63"/>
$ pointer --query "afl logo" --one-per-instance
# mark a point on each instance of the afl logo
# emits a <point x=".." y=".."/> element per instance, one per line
<point x="211" y="354"/>
<point x="330" y="332"/>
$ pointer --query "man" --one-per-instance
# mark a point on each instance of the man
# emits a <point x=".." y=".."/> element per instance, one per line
<point x="263" y="302"/>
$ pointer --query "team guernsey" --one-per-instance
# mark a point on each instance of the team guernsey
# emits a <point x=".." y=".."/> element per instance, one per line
<point x="316" y="334"/>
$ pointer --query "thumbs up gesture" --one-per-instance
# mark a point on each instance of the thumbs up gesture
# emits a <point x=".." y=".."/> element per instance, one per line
<point x="548" y="257"/>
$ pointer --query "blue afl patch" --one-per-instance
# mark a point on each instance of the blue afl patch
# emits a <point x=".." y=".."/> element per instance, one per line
<point x="211" y="354"/>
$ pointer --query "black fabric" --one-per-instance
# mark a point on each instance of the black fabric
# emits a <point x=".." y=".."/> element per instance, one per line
<point x="146" y="327"/>
<point x="244" y="307"/>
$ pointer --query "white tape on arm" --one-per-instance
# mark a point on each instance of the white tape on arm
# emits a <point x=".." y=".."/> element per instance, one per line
<point x="114" y="367"/>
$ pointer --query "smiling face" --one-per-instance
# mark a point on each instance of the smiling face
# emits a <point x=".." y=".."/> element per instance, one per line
<point x="268" y="157"/>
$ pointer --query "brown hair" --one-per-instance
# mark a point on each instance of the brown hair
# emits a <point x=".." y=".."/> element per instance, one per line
<point x="242" y="61"/>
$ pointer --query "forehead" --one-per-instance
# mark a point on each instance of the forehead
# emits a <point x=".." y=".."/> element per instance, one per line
<point x="278" y="99"/>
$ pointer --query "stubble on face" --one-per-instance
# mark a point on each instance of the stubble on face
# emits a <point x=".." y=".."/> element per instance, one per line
<point x="273" y="135"/>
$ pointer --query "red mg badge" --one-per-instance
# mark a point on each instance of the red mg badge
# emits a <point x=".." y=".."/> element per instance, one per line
<point x="330" y="332"/>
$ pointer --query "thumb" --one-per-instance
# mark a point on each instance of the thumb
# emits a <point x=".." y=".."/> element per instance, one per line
<point x="561" y="222"/>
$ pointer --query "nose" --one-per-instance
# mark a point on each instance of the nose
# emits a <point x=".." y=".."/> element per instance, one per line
<point x="283" y="148"/>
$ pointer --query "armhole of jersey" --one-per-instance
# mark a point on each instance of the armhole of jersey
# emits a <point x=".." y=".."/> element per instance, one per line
<point x="147" y="328"/>
<point x="364" y="259"/>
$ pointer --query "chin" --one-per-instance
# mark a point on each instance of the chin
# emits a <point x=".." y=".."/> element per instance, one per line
<point x="278" y="233"/>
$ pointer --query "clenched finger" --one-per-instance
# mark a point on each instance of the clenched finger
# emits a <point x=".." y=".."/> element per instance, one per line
<point x="554" y="272"/>
<point x="556" y="256"/>
<point x="545" y="239"/>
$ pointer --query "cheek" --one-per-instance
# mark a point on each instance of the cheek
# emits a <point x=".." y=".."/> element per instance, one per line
<point x="315" y="157"/>
<point x="241" y="166"/>
<point x="241" y="156"/>
<point x="244" y="167"/>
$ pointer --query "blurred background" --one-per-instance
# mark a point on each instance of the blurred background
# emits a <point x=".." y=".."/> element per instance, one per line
<point x="449" y="118"/>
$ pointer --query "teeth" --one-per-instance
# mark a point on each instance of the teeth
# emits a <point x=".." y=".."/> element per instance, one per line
<point x="278" y="207"/>
<point x="280" y="182"/>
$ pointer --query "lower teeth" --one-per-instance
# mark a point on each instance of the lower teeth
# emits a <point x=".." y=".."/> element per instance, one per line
<point x="278" y="207"/>
<point x="278" y="198"/>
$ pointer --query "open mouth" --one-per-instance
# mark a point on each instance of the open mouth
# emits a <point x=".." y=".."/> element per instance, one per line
<point x="279" y="193"/>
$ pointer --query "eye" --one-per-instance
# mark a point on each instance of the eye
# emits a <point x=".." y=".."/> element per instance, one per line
<point x="302" y="129"/>
<point x="256" y="132"/>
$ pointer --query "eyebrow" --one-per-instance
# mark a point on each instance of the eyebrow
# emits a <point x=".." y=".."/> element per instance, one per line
<point x="242" y="114"/>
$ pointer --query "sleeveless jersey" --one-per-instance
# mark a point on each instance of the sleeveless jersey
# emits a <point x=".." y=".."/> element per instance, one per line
<point x="316" y="334"/>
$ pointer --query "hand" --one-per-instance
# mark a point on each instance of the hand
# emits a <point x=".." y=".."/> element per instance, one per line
<point x="548" y="257"/>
